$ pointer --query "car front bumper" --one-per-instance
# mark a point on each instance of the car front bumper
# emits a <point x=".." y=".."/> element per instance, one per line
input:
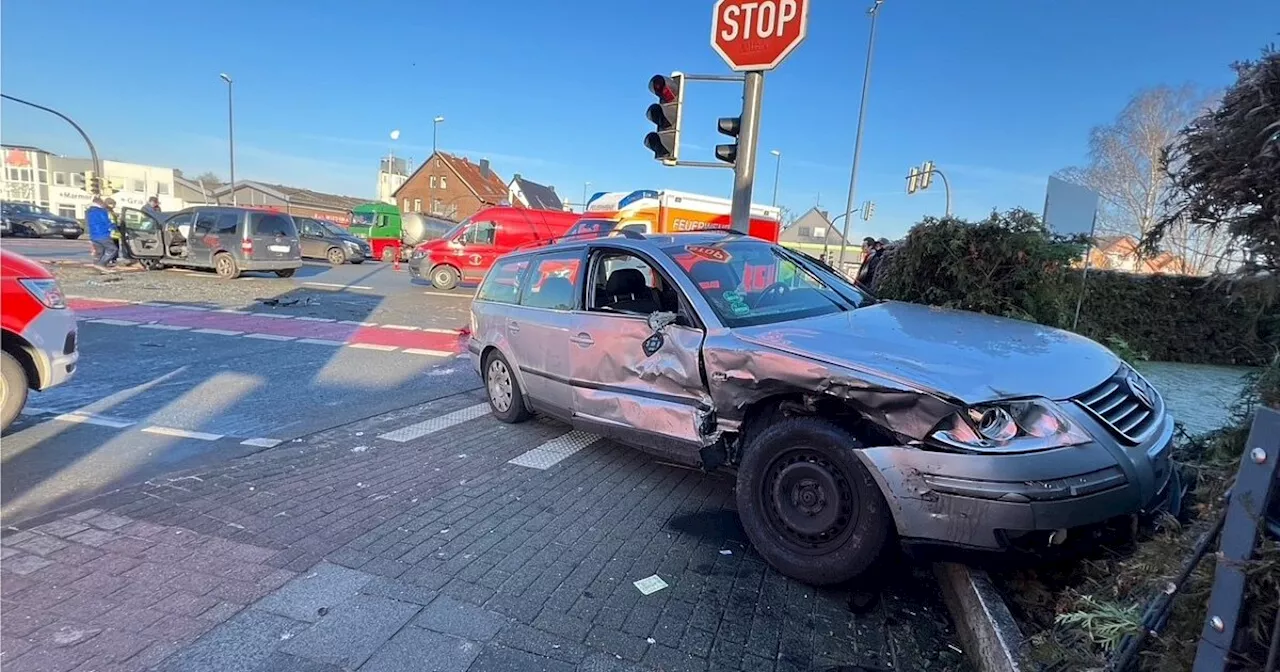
<point x="55" y="345"/>
<point x="419" y="266"/>
<point x="993" y="502"/>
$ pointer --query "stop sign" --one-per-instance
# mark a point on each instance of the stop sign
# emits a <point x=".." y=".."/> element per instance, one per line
<point x="758" y="34"/>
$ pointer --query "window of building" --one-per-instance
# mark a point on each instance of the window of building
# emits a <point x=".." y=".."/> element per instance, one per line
<point x="443" y="183"/>
<point x="405" y="207"/>
<point x="139" y="185"/>
<point x="805" y="232"/>
<point x="162" y="188"/>
<point x="439" y="163"/>
<point x="433" y="181"/>
<point x="417" y="205"/>
<point x="60" y="179"/>
<point x="435" y="206"/>
<point x="43" y="176"/>
<point x="819" y="232"/>
<point x="67" y="211"/>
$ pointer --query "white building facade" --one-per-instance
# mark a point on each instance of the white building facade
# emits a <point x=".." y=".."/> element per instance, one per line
<point x="32" y="175"/>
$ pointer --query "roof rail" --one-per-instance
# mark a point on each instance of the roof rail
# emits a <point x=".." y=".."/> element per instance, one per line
<point x="586" y="235"/>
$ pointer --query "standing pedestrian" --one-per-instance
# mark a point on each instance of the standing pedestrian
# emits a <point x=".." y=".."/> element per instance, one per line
<point x="153" y="207"/>
<point x="101" y="234"/>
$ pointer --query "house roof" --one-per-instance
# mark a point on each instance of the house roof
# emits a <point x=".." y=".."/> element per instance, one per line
<point x="295" y="195"/>
<point x="538" y="196"/>
<point x="801" y="231"/>
<point x="488" y="188"/>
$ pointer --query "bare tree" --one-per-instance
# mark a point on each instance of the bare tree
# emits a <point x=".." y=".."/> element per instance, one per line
<point x="1125" y="159"/>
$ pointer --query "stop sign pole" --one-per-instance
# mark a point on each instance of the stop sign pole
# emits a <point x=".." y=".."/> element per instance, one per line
<point x="753" y="36"/>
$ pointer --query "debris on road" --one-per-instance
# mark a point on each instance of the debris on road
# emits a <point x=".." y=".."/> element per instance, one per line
<point x="359" y="449"/>
<point x="725" y="551"/>
<point x="650" y="585"/>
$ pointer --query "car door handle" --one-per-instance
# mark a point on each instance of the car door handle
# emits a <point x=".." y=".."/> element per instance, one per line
<point x="513" y="327"/>
<point x="583" y="338"/>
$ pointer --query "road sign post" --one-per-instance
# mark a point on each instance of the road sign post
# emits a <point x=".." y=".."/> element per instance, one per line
<point x="753" y="36"/>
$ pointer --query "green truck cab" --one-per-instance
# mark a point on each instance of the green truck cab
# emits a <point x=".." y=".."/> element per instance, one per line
<point x="391" y="232"/>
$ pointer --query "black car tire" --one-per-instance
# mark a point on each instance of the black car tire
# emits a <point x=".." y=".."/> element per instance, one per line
<point x="286" y="272"/>
<point x="444" y="277"/>
<point x="71" y="236"/>
<point x="151" y="264"/>
<point x="225" y="265"/>
<point x="357" y="261"/>
<point x="809" y="505"/>
<point x="13" y="389"/>
<point x="336" y="256"/>
<point x="506" y="399"/>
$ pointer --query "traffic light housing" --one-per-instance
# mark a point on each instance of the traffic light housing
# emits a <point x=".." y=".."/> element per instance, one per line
<point x="868" y="210"/>
<point x="913" y="180"/>
<point x="664" y="140"/>
<point x="92" y="182"/>
<point x="926" y="175"/>
<point x="730" y="126"/>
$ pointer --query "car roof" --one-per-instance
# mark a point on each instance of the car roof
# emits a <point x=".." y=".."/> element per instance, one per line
<point x="640" y="241"/>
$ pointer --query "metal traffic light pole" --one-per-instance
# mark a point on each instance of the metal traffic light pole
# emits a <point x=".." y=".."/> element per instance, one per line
<point x="744" y="169"/>
<point x="93" y="153"/>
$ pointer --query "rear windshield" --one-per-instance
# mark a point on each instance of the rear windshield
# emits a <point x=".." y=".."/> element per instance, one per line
<point x="270" y="224"/>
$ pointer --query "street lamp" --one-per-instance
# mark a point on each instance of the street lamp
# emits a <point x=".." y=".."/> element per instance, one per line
<point x="857" y="142"/>
<point x="231" y="135"/>
<point x="435" y="128"/>
<point x="777" y="168"/>
<point x="584" y="195"/>
<point x="431" y="194"/>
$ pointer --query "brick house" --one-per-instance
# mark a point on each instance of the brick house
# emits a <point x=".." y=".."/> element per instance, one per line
<point x="1122" y="253"/>
<point x="451" y="187"/>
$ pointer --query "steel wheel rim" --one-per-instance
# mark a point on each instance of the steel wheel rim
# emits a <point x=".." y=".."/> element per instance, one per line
<point x="335" y="257"/>
<point x="808" y="501"/>
<point x="224" y="266"/>
<point x="500" y="387"/>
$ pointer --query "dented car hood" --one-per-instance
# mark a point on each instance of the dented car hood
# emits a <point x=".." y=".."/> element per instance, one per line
<point x="966" y="356"/>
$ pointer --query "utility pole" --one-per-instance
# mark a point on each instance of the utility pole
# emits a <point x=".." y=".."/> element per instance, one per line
<point x="231" y="135"/>
<point x="857" y="142"/>
<point x="777" y="169"/>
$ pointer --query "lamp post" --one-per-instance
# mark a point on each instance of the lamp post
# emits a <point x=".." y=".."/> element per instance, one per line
<point x="857" y="142"/>
<point x="777" y="168"/>
<point x="435" y="132"/>
<point x="231" y="135"/>
<point x="584" y="195"/>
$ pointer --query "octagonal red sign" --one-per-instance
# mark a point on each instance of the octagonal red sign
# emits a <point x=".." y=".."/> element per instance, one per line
<point x="758" y="34"/>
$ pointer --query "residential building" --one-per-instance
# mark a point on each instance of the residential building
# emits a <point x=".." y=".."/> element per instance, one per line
<point x="813" y="234"/>
<point x="26" y="175"/>
<point x="1122" y="253"/>
<point x="392" y="174"/>
<point x="295" y="201"/>
<point x="522" y="192"/>
<point x="451" y="187"/>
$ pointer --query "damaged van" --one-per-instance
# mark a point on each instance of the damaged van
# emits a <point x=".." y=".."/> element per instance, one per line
<point x="852" y="423"/>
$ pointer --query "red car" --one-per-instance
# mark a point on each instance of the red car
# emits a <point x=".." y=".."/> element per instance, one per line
<point x="39" y="330"/>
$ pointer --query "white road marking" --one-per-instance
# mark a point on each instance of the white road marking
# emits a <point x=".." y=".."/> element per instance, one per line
<point x="232" y="311"/>
<point x="217" y="332"/>
<point x="182" y="433"/>
<point x="430" y="353"/>
<point x="421" y="429"/>
<point x="335" y="285"/>
<point x="269" y="337"/>
<point x="322" y="341"/>
<point x="180" y="306"/>
<point x="315" y="319"/>
<point x="164" y="327"/>
<point x="274" y="315"/>
<point x="358" y="323"/>
<point x="451" y="295"/>
<point x="261" y="443"/>
<point x="373" y="346"/>
<point x="92" y="419"/>
<point x="399" y="327"/>
<point x="551" y="452"/>
<point x="433" y="330"/>
<point x="115" y="323"/>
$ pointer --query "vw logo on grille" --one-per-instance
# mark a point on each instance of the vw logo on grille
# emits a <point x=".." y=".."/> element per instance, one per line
<point x="1140" y="390"/>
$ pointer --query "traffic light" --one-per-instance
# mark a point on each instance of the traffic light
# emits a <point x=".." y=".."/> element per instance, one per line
<point x="729" y="126"/>
<point x="868" y="210"/>
<point x="926" y="175"/>
<point x="913" y="180"/>
<point x="92" y="182"/>
<point x="664" y="141"/>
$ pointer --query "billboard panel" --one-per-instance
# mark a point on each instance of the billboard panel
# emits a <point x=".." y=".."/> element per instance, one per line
<point x="1069" y="209"/>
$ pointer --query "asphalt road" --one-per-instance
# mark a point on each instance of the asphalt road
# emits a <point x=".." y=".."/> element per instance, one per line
<point x="189" y="379"/>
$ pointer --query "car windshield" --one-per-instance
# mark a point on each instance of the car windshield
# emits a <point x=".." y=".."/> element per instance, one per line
<point x="750" y="282"/>
<point x="456" y="231"/>
<point x="331" y="228"/>
<point x="362" y="218"/>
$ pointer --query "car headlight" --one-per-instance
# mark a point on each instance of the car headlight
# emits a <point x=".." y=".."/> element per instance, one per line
<point x="1009" y="427"/>
<point x="46" y="291"/>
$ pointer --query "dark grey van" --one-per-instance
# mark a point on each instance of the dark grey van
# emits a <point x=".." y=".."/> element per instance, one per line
<point x="326" y="240"/>
<point x="226" y="239"/>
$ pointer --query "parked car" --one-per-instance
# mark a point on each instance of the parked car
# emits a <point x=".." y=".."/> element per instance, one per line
<point x="25" y="219"/>
<point x="849" y="420"/>
<point x="466" y="253"/>
<point x="326" y="240"/>
<point x="226" y="239"/>
<point x="39" y="344"/>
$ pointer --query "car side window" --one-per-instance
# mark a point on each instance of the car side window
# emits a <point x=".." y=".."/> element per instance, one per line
<point x="179" y="220"/>
<point x="625" y="283"/>
<point x="205" y="222"/>
<point x="481" y="233"/>
<point x="227" y="222"/>
<point x="502" y="284"/>
<point x="553" y="281"/>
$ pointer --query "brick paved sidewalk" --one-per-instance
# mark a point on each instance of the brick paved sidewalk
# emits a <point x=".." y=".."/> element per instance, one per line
<point x="430" y="550"/>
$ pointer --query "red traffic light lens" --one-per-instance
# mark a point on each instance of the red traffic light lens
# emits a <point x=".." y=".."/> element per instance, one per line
<point x="663" y="87"/>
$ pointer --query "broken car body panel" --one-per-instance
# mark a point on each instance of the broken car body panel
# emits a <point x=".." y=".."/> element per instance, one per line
<point x="680" y="389"/>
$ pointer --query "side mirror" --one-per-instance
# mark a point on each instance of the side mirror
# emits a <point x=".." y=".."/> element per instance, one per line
<point x="659" y="320"/>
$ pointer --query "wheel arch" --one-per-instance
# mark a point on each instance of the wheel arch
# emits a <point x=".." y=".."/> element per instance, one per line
<point x="774" y="407"/>
<point x="486" y="352"/>
<point x="22" y="350"/>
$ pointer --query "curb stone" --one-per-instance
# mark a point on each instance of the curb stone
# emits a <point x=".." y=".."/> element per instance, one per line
<point x="992" y="639"/>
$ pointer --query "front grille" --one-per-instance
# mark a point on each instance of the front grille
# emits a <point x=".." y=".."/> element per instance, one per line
<point x="1119" y="404"/>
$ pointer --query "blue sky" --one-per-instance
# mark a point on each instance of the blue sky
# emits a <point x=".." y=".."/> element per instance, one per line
<point x="999" y="93"/>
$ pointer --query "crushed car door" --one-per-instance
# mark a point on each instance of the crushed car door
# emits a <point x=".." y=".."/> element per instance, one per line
<point x="636" y="359"/>
<point x="142" y="234"/>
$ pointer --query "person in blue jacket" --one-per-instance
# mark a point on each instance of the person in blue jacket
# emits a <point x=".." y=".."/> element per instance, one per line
<point x="101" y="228"/>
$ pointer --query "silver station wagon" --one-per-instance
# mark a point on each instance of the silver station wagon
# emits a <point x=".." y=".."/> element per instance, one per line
<point x="852" y="423"/>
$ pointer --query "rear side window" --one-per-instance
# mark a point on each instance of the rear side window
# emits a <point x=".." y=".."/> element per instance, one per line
<point x="502" y="284"/>
<point x="227" y="222"/>
<point x="268" y="224"/>
<point x="553" y="281"/>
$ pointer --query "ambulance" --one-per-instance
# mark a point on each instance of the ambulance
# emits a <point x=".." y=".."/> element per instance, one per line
<point x="666" y="211"/>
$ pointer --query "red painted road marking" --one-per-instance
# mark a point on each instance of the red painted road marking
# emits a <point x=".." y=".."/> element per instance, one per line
<point x="249" y="324"/>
